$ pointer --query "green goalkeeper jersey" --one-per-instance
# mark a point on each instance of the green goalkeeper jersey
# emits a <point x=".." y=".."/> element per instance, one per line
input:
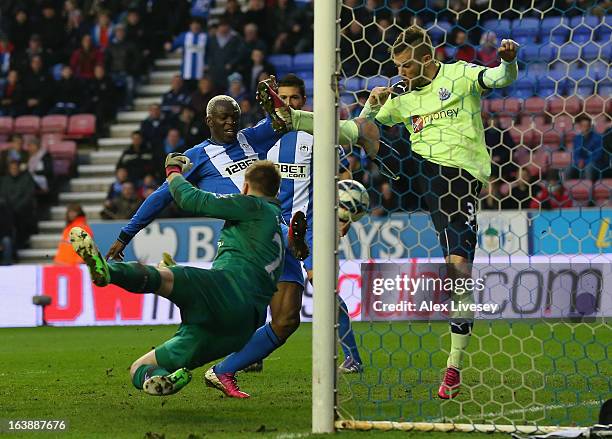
<point x="444" y="118"/>
<point x="251" y="243"/>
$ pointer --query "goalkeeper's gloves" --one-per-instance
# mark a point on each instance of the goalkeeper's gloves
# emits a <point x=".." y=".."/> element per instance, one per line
<point x="177" y="162"/>
<point x="272" y="104"/>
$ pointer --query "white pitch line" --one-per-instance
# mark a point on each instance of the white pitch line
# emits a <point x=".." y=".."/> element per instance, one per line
<point x="292" y="435"/>
<point x="533" y="409"/>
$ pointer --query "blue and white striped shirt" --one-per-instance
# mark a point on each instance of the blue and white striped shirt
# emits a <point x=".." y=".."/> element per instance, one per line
<point x="194" y="54"/>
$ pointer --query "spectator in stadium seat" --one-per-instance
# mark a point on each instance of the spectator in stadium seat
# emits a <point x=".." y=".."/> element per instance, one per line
<point x="7" y="233"/>
<point x="199" y="99"/>
<point x="501" y="145"/>
<point x="139" y="159"/>
<point x="37" y="87"/>
<point x="136" y="32"/>
<point x="75" y="28"/>
<point x="15" y="152"/>
<point x="67" y="93"/>
<point x="236" y="88"/>
<point x="588" y="151"/>
<point x="51" y="27"/>
<point x="225" y="53"/>
<point x="12" y="102"/>
<point x="254" y="67"/>
<point x="175" y="98"/>
<point x="301" y="32"/>
<point x="102" y="31"/>
<point x="40" y="165"/>
<point x="193" y="44"/>
<point x="84" y="59"/>
<point x="75" y="217"/>
<point x="492" y="196"/>
<point x="35" y="48"/>
<point x="18" y="189"/>
<point x="154" y="128"/>
<point x="174" y="142"/>
<point x="190" y="129"/>
<point x="464" y="51"/>
<point x="279" y="18"/>
<point x="251" y="39"/>
<point x="520" y="193"/>
<point x="234" y="15"/>
<point x="114" y="189"/>
<point x="148" y="182"/>
<point x="123" y="64"/>
<point x="552" y="194"/>
<point x="256" y="13"/>
<point x="20" y="30"/>
<point x="387" y="201"/>
<point x="487" y="52"/>
<point x="123" y="206"/>
<point x="6" y="53"/>
<point x="607" y="154"/>
<point x="248" y="114"/>
<point x="101" y="99"/>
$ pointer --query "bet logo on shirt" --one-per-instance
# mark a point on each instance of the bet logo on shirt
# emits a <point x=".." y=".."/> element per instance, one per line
<point x="444" y="94"/>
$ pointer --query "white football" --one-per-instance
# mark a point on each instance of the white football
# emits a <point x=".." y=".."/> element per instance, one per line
<point x="353" y="200"/>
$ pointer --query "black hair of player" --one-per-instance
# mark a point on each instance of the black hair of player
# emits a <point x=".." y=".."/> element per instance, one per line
<point x="263" y="177"/>
<point x="415" y="38"/>
<point x="584" y="117"/>
<point x="292" y="80"/>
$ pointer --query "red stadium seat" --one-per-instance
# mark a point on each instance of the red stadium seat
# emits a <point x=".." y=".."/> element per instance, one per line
<point x="561" y="159"/>
<point x="534" y="105"/>
<point x="594" y="105"/>
<point x="27" y="125"/>
<point x="563" y="123"/>
<point x="64" y="150"/>
<point x="551" y="136"/>
<point x="6" y="125"/>
<point x="81" y="126"/>
<point x="580" y="190"/>
<point x="602" y="123"/>
<point x="569" y="105"/>
<point x="5" y="145"/>
<point x="49" y="139"/>
<point x="602" y="190"/>
<point x="54" y="124"/>
<point x="505" y="106"/>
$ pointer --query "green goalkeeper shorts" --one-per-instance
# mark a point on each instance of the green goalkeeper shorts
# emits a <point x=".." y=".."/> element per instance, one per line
<point x="219" y="314"/>
<point x="195" y="345"/>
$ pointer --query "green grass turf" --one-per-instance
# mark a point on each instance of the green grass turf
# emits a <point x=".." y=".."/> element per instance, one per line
<point x="81" y="375"/>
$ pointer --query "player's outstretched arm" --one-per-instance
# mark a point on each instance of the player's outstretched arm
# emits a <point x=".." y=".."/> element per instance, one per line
<point x="191" y="199"/>
<point x="506" y="73"/>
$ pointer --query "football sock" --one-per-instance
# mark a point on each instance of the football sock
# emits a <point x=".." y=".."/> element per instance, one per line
<point x="461" y="330"/>
<point x="145" y="372"/>
<point x="263" y="342"/>
<point x="134" y="276"/>
<point x="345" y="333"/>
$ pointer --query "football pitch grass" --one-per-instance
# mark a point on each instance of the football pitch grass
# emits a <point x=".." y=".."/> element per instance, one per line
<point x="81" y="375"/>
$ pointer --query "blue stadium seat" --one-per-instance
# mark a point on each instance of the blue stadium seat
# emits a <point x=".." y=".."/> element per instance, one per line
<point x="546" y="87"/>
<point x="56" y="71"/>
<point x="599" y="70"/>
<point x="303" y="62"/>
<point x="438" y="30"/>
<point x="376" y="81"/>
<point x="556" y="74"/>
<point x="309" y="85"/>
<point x="593" y="51"/>
<point x="549" y="23"/>
<point x="500" y="27"/>
<point x="590" y="20"/>
<point x="526" y="27"/>
<point x="351" y="84"/>
<point x="569" y="52"/>
<point x="306" y="75"/>
<point x="281" y="62"/>
<point x="533" y="52"/>
<point x="578" y="74"/>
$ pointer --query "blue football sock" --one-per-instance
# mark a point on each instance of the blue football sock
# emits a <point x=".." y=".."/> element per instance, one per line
<point x="345" y="333"/>
<point x="261" y="344"/>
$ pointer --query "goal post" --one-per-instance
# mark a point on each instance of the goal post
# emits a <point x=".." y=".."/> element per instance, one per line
<point x="542" y="360"/>
<point x="324" y="216"/>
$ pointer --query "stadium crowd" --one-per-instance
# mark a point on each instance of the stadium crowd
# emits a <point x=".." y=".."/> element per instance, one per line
<point x="85" y="56"/>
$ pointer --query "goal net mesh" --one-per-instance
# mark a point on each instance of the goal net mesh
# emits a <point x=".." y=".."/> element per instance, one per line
<point x="544" y="359"/>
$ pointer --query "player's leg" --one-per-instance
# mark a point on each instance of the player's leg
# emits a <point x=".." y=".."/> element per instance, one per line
<point x="131" y="276"/>
<point x="148" y="375"/>
<point x="452" y="200"/>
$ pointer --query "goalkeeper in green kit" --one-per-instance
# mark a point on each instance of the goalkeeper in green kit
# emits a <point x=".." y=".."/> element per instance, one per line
<point x="440" y="106"/>
<point x="221" y="307"/>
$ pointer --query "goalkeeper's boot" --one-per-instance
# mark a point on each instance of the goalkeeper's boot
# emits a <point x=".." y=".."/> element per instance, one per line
<point x="349" y="365"/>
<point x="167" y="384"/>
<point x="225" y="382"/>
<point x="271" y="102"/>
<point x="297" y="236"/>
<point x="86" y="248"/>
<point x="255" y="367"/>
<point x="451" y="383"/>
